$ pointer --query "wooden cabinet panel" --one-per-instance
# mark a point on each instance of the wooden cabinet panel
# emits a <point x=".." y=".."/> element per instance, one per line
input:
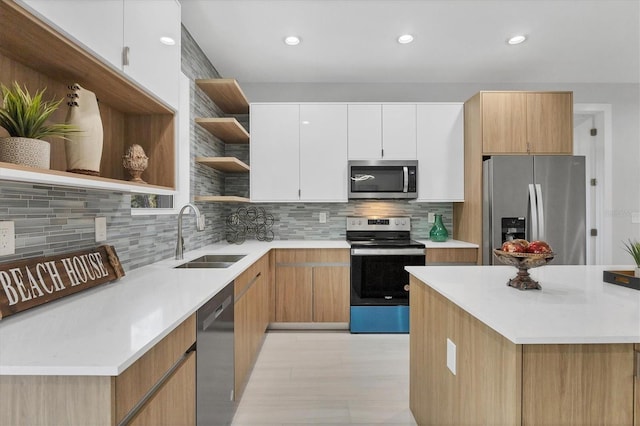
<point x="135" y="381"/>
<point x="452" y="255"/>
<point x="174" y="404"/>
<point x="504" y="117"/>
<point x="577" y="384"/>
<point x="312" y="256"/>
<point x="550" y="123"/>
<point x="331" y="293"/>
<point x="636" y="386"/>
<point x="294" y="294"/>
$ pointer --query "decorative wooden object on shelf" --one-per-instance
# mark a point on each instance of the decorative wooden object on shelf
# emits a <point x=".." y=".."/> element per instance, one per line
<point x="226" y="129"/>
<point x="36" y="281"/>
<point x="221" y="198"/>
<point x="38" y="55"/>
<point x="136" y="162"/>
<point x="224" y="164"/>
<point x="226" y="93"/>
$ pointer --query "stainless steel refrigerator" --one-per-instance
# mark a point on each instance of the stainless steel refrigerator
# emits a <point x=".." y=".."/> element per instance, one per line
<point x="536" y="198"/>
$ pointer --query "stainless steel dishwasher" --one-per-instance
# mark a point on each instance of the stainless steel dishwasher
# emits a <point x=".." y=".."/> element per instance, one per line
<point x="215" y="403"/>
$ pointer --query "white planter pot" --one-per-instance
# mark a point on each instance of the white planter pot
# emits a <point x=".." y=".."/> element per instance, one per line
<point x="84" y="148"/>
<point x="25" y="151"/>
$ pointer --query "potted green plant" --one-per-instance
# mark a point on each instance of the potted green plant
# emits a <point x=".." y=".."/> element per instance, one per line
<point x="633" y="248"/>
<point x="25" y="117"/>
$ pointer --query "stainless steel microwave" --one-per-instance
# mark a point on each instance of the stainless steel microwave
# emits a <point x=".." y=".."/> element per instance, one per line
<point x="383" y="179"/>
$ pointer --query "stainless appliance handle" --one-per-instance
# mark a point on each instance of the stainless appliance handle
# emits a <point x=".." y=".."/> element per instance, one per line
<point x="405" y="173"/>
<point x="387" y="252"/>
<point x="534" y="212"/>
<point x="541" y="233"/>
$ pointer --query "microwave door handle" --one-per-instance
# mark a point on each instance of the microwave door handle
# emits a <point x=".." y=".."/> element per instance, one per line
<point x="541" y="230"/>
<point x="405" y="172"/>
<point x="534" y="213"/>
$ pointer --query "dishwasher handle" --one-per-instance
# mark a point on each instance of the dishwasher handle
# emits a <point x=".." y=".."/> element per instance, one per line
<point x="216" y="313"/>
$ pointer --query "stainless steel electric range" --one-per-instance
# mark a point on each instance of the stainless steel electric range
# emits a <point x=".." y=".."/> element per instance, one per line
<point x="380" y="249"/>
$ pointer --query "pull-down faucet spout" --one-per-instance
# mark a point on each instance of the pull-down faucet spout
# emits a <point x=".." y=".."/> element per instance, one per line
<point x="199" y="227"/>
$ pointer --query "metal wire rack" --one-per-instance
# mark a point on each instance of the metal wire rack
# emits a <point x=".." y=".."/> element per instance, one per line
<point x="251" y="222"/>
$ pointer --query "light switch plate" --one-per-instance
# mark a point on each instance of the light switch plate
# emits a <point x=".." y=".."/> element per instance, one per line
<point x="451" y="356"/>
<point x="431" y="217"/>
<point x="101" y="229"/>
<point x="635" y="217"/>
<point x="323" y="218"/>
<point x="7" y="238"/>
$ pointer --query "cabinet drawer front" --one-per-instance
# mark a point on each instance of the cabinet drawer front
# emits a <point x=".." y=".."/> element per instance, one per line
<point x="452" y="255"/>
<point x="259" y="269"/>
<point x="312" y="256"/>
<point x="141" y="376"/>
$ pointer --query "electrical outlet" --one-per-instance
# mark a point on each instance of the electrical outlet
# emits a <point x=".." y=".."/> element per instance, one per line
<point x="431" y="217"/>
<point x="101" y="229"/>
<point x="451" y="356"/>
<point x="323" y="218"/>
<point x="635" y="217"/>
<point x="7" y="238"/>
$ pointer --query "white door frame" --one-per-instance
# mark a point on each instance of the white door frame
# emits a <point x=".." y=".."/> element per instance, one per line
<point x="605" y="222"/>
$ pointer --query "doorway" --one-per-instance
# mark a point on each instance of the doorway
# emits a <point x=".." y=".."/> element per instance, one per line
<point x="596" y="147"/>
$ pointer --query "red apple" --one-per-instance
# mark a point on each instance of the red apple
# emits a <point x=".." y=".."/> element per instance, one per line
<point x="514" y="246"/>
<point x="539" y="247"/>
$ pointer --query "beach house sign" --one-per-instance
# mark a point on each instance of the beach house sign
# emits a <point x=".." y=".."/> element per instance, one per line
<point x="32" y="282"/>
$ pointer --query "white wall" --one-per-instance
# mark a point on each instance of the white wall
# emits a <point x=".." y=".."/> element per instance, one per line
<point x="624" y="98"/>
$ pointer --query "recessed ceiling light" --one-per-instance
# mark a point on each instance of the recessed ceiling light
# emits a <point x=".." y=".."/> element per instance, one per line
<point x="292" y="40"/>
<point x="167" y="40"/>
<point x="405" y="38"/>
<point x="517" y="39"/>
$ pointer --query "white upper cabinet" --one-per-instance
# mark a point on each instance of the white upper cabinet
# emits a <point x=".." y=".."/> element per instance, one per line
<point x="298" y="152"/>
<point x="440" y="135"/>
<point x="382" y="132"/>
<point x="95" y="24"/>
<point x="399" y="132"/>
<point x="323" y="152"/>
<point x="149" y="61"/>
<point x="109" y="27"/>
<point x="275" y="152"/>
<point x="365" y="131"/>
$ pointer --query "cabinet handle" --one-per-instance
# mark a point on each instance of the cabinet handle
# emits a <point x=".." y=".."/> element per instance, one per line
<point x="125" y="55"/>
<point x="637" y="373"/>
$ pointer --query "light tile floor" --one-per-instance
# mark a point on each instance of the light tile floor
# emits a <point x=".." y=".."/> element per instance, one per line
<point x="332" y="378"/>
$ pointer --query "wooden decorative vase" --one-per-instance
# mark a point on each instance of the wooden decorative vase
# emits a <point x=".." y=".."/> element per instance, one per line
<point x="84" y="148"/>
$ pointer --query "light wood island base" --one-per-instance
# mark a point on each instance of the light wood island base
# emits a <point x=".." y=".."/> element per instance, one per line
<point x="498" y="382"/>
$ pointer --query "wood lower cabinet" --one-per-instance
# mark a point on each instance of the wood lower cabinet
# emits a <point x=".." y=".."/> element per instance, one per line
<point x="141" y="394"/>
<point x="312" y="285"/>
<point x="498" y="382"/>
<point x="636" y="381"/>
<point x="251" y="318"/>
<point x="450" y="256"/>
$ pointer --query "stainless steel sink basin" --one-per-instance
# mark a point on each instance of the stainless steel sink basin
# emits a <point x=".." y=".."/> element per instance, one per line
<point x="213" y="261"/>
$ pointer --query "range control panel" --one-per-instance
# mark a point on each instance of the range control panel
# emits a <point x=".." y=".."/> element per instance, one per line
<point x="402" y="223"/>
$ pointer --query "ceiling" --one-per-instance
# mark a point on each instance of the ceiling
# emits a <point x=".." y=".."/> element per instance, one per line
<point x="456" y="41"/>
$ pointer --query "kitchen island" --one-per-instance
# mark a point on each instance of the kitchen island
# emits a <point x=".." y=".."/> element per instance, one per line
<point x="484" y="353"/>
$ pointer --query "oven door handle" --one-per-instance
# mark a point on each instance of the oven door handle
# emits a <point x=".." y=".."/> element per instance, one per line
<point x="388" y="252"/>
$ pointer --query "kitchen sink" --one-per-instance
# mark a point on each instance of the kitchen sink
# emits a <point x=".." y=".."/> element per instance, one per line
<point x="212" y="261"/>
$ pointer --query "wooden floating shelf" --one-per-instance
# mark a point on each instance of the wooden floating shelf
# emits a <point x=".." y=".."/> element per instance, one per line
<point x="226" y="129"/>
<point x="224" y="164"/>
<point x="221" y="199"/>
<point x="226" y="93"/>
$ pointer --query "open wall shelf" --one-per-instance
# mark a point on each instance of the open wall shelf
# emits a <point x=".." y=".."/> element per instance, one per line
<point x="224" y="164"/>
<point x="226" y="93"/>
<point x="227" y="129"/>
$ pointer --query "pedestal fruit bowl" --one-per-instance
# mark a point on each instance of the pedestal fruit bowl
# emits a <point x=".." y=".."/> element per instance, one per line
<point x="524" y="262"/>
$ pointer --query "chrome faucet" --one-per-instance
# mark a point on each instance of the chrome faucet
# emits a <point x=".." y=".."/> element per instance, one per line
<point x="199" y="227"/>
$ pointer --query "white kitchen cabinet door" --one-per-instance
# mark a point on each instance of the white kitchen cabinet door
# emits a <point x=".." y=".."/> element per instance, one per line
<point x="323" y="152"/>
<point x="440" y="152"/>
<point x="399" y="132"/>
<point x="275" y="153"/>
<point x="365" y="131"/>
<point x="156" y="66"/>
<point x="96" y="24"/>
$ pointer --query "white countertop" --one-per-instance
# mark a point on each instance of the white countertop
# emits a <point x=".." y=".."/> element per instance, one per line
<point x="447" y="244"/>
<point x="574" y="306"/>
<point x="103" y="330"/>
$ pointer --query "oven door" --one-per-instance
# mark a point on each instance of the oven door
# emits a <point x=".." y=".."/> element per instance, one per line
<point x="378" y="276"/>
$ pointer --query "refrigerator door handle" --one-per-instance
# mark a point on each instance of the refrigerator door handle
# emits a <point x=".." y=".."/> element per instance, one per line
<point x="534" y="212"/>
<point x="541" y="232"/>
